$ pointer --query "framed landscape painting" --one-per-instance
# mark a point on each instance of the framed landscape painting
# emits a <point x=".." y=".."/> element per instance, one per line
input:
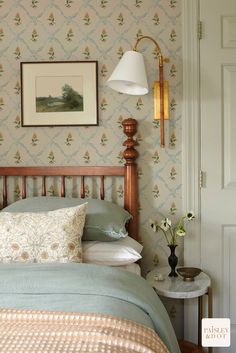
<point x="59" y="93"/>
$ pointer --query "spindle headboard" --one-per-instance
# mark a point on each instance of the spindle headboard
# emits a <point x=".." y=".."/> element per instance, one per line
<point x="128" y="172"/>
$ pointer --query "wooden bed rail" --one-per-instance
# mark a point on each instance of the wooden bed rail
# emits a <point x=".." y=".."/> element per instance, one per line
<point x="61" y="172"/>
<point x="128" y="171"/>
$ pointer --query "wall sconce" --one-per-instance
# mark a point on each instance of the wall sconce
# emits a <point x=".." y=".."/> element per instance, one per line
<point x="130" y="77"/>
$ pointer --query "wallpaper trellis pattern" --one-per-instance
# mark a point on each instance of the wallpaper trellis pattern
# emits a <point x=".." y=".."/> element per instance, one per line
<point x="64" y="30"/>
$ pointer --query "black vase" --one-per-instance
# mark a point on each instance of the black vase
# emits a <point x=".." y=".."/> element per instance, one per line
<point x="172" y="260"/>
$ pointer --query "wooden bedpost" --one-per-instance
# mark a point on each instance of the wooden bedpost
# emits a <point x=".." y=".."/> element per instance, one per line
<point x="131" y="183"/>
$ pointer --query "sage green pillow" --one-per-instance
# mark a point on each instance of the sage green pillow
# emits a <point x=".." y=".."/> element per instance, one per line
<point x="105" y="221"/>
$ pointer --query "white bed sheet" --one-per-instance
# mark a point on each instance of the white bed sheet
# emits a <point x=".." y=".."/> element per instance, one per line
<point x="134" y="268"/>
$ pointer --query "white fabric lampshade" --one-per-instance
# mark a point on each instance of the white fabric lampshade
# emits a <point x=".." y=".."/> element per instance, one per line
<point x="129" y="76"/>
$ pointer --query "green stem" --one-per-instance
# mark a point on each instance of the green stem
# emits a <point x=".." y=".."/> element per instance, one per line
<point x="164" y="234"/>
<point x="173" y="237"/>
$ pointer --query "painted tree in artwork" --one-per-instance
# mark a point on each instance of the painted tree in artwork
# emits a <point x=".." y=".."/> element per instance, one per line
<point x="71" y="97"/>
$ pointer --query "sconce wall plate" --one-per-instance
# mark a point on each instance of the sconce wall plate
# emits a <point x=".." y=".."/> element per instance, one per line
<point x="156" y="93"/>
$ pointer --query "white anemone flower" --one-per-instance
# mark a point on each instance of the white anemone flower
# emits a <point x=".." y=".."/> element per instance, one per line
<point x="154" y="225"/>
<point x="165" y="224"/>
<point x="180" y="232"/>
<point x="190" y="216"/>
<point x="172" y="233"/>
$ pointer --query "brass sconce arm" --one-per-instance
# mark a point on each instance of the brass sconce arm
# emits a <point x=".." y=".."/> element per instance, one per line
<point x="160" y="56"/>
<point x="160" y="89"/>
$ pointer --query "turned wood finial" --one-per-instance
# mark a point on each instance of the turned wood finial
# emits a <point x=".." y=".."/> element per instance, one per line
<point x="130" y="128"/>
<point x="131" y="183"/>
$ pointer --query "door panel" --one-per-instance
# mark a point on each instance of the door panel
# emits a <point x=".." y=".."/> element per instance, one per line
<point x="218" y="155"/>
<point x="229" y="104"/>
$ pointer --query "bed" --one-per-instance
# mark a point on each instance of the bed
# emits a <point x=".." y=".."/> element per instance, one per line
<point x="57" y="293"/>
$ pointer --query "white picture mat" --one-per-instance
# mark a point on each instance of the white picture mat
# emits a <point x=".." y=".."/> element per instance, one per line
<point x="30" y="71"/>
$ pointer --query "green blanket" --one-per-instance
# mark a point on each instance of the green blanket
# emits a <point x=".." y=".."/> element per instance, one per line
<point x="85" y="288"/>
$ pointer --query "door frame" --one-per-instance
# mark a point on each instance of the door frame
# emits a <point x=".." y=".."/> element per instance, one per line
<point x="191" y="148"/>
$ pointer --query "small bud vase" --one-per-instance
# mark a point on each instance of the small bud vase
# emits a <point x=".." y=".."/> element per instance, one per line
<point x="172" y="260"/>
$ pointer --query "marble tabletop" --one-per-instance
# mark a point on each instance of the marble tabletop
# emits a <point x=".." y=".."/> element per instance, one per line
<point x="176" y="287"/>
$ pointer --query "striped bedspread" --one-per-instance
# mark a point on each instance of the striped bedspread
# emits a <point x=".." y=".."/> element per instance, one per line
<point x="31" y="331"/>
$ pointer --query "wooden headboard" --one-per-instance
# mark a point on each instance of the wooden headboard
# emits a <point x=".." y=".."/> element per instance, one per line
<point x="128" y="171"/>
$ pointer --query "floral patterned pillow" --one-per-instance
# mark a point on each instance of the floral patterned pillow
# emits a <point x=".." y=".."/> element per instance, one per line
<point x="53" y="236"/>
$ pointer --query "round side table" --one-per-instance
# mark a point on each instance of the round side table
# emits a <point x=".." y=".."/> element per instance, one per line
<point x="177" y="288"/>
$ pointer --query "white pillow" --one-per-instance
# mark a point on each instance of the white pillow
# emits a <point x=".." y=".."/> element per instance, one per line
<point x="53" y="236"/>
<point x="117" y="253"/>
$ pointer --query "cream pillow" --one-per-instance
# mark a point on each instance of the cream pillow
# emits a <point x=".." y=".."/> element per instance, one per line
<point x="53" y="236"/>
<point x="116" y="253"/>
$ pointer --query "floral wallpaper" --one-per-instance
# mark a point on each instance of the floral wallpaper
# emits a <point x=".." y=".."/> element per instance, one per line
<point x="67" y="30"/>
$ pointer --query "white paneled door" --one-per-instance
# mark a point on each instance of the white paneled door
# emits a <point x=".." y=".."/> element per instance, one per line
<point x="218" y="155"/>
